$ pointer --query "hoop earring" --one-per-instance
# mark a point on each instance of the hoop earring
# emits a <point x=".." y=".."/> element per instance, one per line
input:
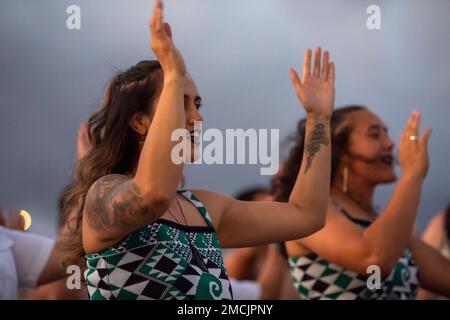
<point x="345" y="179"/>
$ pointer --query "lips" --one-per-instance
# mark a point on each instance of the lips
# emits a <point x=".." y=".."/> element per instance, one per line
<point x="195" y="137"/>
<point x="387" y="160"/>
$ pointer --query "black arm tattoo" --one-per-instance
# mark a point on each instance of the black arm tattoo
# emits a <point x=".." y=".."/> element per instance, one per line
<point x="115" y="201"/>
<point x="317" y="137"/>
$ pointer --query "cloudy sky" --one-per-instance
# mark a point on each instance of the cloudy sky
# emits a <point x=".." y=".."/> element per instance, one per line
<point x="239" y="53"/>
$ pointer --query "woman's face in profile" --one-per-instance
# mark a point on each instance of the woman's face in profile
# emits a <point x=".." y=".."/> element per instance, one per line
<point x="370" y="148"/>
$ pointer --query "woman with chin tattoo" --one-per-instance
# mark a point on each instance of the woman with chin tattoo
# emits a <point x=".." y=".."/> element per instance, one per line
<point x="334" y="262"/>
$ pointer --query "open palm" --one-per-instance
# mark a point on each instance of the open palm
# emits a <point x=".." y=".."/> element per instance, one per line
<point x="162" y="44"/>
<point x="316" y="90"/>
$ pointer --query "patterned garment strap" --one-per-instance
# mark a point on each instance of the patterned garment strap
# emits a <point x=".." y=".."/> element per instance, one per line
<point x="360" y="222"/>
<point x="198" y="204"/>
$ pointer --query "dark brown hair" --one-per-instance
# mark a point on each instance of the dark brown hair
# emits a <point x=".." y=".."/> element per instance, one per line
<point x="250" y="193"/>
<point x="283" y="182"/>
<point x="114" y="145"/>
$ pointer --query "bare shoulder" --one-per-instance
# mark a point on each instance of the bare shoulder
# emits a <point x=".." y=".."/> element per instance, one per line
<point x="104" y="184"/>
<point x="114" y="207"/>
<point x="434" y="233"/>
<point x="437" y="222"/>
<point x="436" y="225"/>
<point x="97" y="197"/>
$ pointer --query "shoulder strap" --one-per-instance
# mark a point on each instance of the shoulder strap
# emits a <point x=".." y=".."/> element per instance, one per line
<point x="198" y="204"/>
<point x="360" y="222"/>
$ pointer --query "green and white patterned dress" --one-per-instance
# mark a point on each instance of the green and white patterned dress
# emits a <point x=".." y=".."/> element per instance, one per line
<point x="316" y="278"/>
<point x="156" y="262"/>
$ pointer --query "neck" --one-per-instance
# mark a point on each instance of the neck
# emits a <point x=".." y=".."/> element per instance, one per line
<point x="360" y="194"/>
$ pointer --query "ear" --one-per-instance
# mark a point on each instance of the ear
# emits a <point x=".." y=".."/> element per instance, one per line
<point x="140" y="123"/>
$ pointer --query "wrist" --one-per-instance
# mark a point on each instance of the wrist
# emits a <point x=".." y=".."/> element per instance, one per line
<point x="413" y="177"/>
<point x="318" y="118"/>
<point x="174" y="78"/>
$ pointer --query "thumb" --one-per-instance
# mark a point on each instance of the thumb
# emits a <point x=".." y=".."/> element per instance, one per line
<point x="425" y="137"/>
<point x="295" y="79"/>
<point x="168" y="30"/>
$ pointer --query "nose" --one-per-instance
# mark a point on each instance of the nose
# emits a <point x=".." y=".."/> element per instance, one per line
<point x="194" y="116"/>
<point x="388" y="143"/>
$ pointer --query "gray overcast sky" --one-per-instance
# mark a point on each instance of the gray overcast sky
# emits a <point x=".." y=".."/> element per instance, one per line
<point x="239" y="53"/>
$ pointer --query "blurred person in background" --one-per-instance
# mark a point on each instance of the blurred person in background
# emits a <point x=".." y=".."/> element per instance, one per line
<point x="259" y="272"/>
<point x="437" y="235"/>
<point x="58" y="290"/>
<point x="26" y="260"/>
<point x="333" y="262"/>
<point x="49" y="290"/>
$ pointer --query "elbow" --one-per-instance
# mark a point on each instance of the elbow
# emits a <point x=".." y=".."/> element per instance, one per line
<point x="321" y="220"/>
<point x="318" y="219"/>
<point x="317" y="225"/>
<point x="311" y="220"/>
<point x="316" y="213"/>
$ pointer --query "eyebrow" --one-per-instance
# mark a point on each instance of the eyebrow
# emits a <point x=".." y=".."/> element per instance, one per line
<point x="377" y="127"/>
<point x="197" y="98"/>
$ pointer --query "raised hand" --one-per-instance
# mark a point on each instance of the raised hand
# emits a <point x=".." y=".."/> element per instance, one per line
<point x="162" y="44"/>
<point x="413" y="149"/>
<point x="83" y="144"/>
<point x="316" y="90"/>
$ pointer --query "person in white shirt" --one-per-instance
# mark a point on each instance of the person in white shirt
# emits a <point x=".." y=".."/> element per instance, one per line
<point x="26" y="260"/>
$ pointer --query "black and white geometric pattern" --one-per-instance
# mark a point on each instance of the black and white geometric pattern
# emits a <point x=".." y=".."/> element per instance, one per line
<point x="156" y="262"/>
<point x="317" y="278"/>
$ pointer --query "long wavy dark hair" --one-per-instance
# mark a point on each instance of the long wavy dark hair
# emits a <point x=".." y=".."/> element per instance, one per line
<point x="284" y="181"/>
<point x="114" y="145"/>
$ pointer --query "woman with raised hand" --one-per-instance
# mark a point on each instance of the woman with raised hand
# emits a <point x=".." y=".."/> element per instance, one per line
<point x="144" y="239"/>
<point x="356" y="242"/>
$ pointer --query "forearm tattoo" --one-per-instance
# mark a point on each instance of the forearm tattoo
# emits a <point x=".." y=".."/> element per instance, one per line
<point x="114" y="202"/>
<point x="317" y="137"/>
